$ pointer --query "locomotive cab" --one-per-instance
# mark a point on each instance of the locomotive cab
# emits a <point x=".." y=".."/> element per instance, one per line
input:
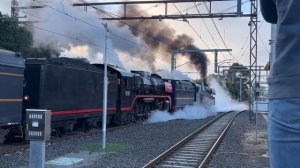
<point x="158" y="86"/>
<point x="144" y="82"/>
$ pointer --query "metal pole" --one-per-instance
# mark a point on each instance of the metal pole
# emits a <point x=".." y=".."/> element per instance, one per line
<point x="259" y="74"/>
<point x="216" y="61"/>
<point x="166" y="9"/>
<point x="239" y="7"/>
<point x="104" y="114"/>
<point x="125" y="10"/>
<point x="273" y="42"/>
<point x="240" y="88"/>
<point x="172" y="61"/>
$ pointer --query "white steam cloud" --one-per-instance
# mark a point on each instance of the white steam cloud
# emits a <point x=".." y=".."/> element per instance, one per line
<point x="71" y="32"/>
<point x="223" y="103"/>
<point x="196" y="111"/>
<point x="62" y="28"/>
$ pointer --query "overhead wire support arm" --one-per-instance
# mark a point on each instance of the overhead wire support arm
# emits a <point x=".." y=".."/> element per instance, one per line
<point x="143" y="2"/>
<point x="174" y="52"/>
<point x="165" y="15"/>
<point x="32" y="7"/>
<point x="186" y="16"/>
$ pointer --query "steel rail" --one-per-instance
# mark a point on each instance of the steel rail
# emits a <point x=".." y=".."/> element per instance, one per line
<point x="171" y="150"/>
<point x="214" y="147"/>
<point x="162" y="157"/>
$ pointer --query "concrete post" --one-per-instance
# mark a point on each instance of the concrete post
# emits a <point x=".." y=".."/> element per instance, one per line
<point x="37" y="154"/>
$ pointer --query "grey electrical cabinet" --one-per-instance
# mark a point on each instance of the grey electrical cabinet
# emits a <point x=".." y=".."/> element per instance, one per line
<point x="38" y="124"/>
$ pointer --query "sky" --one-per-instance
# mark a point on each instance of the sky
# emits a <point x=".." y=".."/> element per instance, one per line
<point x="234" y="31"/>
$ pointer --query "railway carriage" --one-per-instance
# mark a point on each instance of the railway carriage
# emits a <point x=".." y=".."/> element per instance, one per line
<point x="11" y="90"/>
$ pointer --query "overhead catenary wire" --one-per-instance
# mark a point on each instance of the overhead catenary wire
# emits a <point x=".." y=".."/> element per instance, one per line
<point x="198" y="35"/>
<point x="94" y="26"/>
<point x="77" y="39"/>
<point x="220" y="34"/>
<point x="265" y="47"/>
<point x="112" y="15"/>
<point x="234" y="6"/>
<point x="195" y="32"/>
<point x="133" y="27"/>
<point x="29" y="14"/>
<point x="193" y="29"/>
<point x="190" y="24"/>
<point x="78" y="19"/>
<point x="247" y="39"/>
<point x="212" y="37"/>
<point x="149" y="8"/>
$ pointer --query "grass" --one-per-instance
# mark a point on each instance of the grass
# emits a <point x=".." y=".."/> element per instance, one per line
<point x="110" y="147"/>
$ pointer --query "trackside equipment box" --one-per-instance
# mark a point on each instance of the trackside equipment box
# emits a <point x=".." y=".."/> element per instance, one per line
<point x="38" y="124"/>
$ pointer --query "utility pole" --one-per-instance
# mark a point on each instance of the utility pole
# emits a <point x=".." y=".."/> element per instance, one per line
<point x="216" y="61"/>
<point x="105" y="83"/>
<point x="173" y="61"/>
<point x="14" y="9"/>
<point x="240" y="88"/>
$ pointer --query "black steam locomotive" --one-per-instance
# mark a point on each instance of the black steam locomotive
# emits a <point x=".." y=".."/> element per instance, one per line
<point x="72" y="90"/>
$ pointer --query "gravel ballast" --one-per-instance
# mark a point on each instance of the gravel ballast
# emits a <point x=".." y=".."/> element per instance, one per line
<point x="240" y="147"/>
<point x="141" y="142"/>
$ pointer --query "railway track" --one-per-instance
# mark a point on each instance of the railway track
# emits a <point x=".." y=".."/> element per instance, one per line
<point x="195" y="149"/>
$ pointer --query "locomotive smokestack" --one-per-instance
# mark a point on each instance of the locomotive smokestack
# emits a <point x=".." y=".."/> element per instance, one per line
<point x="159" y="36"/>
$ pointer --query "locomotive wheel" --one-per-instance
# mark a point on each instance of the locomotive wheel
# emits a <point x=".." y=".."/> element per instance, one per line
<point x="137" y="112"/>
<point x="4" y="133"/>
<point x="86" y="127"/>
<point x="58" y="132"/>
<point x="166" y="106"/>
<point x="146" y="111"/>
<point x="130" y="116"/>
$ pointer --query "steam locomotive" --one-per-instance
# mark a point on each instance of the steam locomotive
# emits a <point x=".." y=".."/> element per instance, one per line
<point x="72" y="89"/>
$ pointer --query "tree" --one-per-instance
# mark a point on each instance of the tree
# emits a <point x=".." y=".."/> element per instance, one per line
<point x="13" y="36"/>
<point x="18" y="38"/>
<point x="237" y="73"/>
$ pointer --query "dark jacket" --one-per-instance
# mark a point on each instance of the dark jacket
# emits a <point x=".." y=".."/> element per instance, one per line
<point x="284" y="79"/>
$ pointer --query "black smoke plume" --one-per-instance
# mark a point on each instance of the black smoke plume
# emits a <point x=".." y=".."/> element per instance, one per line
<point x="159" y="36"/>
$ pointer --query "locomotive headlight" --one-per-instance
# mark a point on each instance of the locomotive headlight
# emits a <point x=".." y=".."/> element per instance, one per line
<point x="26" y="98"/>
